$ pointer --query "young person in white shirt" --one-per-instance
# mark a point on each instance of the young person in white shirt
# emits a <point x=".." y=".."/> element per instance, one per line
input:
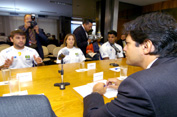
<point x="18" y="55"/>
<point x="111" y="50"/>
<point x="72" y="53"/>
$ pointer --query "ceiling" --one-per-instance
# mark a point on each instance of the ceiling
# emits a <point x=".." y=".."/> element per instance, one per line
<point x="51" y="7"/>
<point x="141" y="2"/>
<point x="41" y="7"/>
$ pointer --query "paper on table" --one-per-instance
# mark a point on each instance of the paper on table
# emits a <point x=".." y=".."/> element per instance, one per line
<point x="83" y="90"/>
<point x="110" y="93"/>
<point x="87" y="89"/>
<point x="4" y="83"/>
<point x="91" y="54"/>
<point x="116" y="69"/>
<point x="122" y="78"/>
<point x="81" y="70"/>
<point x="93" y="83"/>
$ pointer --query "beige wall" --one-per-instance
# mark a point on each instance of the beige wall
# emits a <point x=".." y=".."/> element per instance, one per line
<point x="10" y="23"/>
<point x="84" y="8"/>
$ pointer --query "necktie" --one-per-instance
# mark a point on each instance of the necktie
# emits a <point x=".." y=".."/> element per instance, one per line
<point x="32" y="36"/>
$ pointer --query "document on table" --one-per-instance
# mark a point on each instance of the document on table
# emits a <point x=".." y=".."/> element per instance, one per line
<point x="92" y="54"/>
<point x="81" y="70"/>
<point x="116" y="69"/>
<point x="85" y="90"/>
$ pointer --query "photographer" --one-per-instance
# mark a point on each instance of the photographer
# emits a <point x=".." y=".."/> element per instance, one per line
<point x="34" y="35"/>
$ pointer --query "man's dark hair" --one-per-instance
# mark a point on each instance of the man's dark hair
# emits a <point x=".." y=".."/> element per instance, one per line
<point x="20" y="32"/>
<point x="159" y="28"/>
<point x="113" y="32"/>
<point x="87" y="21"/>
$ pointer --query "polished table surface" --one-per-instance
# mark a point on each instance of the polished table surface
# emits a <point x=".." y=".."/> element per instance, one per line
<point x="65" y="103"/>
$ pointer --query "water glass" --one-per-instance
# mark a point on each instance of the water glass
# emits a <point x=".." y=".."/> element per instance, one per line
<point x="123" y="72"/>
<point x="6" y="73"/>
<point x="14" y="85"/>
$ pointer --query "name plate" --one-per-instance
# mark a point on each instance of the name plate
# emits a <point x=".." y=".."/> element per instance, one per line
<point x="24" y="77"/>
<point x="97" y="76"/>
<point x="91" y="66"/>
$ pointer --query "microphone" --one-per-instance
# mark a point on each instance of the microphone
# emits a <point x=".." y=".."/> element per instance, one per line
<point x="60" y="57"/>
<point x="115" y="48"/>
<point x="63" y="54"/>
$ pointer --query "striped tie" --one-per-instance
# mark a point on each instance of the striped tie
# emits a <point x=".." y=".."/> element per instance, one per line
<point x="32" y="36"/>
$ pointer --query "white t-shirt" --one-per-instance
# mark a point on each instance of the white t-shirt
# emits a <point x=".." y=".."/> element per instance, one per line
<point x="74" y="55"/>
<point x="21" y="58"/>
<point x="106" y="50"/>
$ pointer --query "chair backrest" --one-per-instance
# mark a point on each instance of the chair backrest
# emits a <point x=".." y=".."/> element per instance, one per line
<point x="4" y="46"/>
<point x="56" y="50"/>
<point x="45" y="50"/>
<point x="62" y="45"/>
<point x="26" y="106"/>
<point x="3" y="38"/>
<point x="51" y="48"/>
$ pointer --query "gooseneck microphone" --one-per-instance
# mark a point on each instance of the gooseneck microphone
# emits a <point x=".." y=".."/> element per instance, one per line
<point x="61" y="57"/>
<point x="115" y="48"/>
<point x="63" y="54"/>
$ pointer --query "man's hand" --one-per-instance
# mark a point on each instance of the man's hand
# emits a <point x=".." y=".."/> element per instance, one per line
<point x="8" y="62"/>
<point x="100" y="88"/>
<point x="36" y="28"/>
<point x="38" y="60"/>
<point x="113" y="83"/>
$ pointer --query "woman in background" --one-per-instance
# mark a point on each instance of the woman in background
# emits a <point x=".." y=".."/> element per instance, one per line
<point x="97" y="45"/>
<point x="71" y="52"/>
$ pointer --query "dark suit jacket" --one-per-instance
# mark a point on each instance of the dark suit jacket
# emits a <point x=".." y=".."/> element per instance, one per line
<point x="40" y="38"/>
<point x="96" y="47"/>
<point x="120" y="42"/>
<point x="149" y="93"/>
<point x="81" y="38"/>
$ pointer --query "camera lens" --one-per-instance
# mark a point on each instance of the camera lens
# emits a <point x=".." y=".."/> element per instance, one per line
<point x="32" y="17"/>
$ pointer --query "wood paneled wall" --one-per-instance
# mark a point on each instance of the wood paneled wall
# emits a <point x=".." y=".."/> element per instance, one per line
<point x="126" y="15"/>
<point x="120" y="27"/>
<point x="169" y="4"/>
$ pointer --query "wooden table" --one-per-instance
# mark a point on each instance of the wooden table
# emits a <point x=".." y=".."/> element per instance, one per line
<point x="65" y="103"/>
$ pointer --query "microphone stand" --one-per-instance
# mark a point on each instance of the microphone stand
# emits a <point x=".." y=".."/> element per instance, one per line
<point x="62" y="84"/>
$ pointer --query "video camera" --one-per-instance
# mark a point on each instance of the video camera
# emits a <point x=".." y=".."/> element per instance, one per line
<point x="33" y="22"/>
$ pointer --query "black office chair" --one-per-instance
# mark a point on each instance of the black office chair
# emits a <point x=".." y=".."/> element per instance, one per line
<point x="26" y="106"/>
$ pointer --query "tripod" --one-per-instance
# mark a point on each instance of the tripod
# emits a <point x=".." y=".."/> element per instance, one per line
<point x="62" y="84"/>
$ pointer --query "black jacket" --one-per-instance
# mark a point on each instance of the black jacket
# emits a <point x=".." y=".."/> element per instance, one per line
<point x="147" y="93"/>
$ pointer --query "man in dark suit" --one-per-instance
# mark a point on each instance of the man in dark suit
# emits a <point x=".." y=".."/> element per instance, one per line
<point x="81" y="34"/>
<point x="122" y="42"/>
<point x="152" y="45"/>
<point x="34" y="35"/>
